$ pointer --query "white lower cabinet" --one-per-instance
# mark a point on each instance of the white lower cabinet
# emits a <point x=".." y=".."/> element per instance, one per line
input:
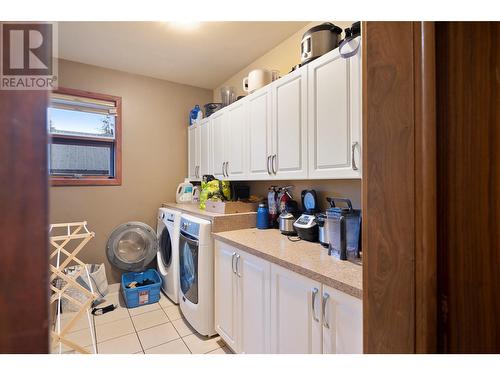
<point x="261" y="307"/>
<point x="254" y="303"/>
<point x="242" y="313"/>
<point x="295" y="313"/>
<point x="226" y="306"/>
<point x="342" y="322"/>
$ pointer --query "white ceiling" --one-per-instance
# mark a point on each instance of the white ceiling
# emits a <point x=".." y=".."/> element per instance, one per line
<point x="203" y="57"/>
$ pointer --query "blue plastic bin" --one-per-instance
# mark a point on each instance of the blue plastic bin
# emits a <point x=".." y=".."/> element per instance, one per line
<point x="142" y="295"/>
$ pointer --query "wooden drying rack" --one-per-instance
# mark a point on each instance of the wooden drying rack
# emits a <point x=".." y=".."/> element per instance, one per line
<point x="59" y="242"/>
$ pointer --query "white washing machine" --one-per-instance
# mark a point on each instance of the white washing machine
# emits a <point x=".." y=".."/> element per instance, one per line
<point x="196" y="260"/>
<point x="167" y="231"/>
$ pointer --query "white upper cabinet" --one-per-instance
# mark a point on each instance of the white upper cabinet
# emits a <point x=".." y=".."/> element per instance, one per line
<point x="191" y="154"/>
<point x="289" y="126"/>
<point x="236" y="141"/>
<point x="259" y="135"/>
<point x="218" y="138"/>
<point x="295" y="313"/>
<point x="334" y="111"/>
<point x="342" y="323"/>
<point x="229" y="142"/>
<point x="194" y="143"/>
<point x="205" y="162"/>
<point x="304" y="125"/>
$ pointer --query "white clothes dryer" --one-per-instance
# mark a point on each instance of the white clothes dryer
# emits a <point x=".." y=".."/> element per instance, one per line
<point x="167" y="231"/>
<point x="196" y="274"/>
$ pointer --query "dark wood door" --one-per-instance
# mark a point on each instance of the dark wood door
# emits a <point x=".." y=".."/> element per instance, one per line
<point x="468" y="147"/>
<point x="23" y="222"/>
<point x="399" y="210"/>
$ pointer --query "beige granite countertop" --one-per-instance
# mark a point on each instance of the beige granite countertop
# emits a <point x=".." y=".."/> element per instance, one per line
<point x="220" y="222"/>
<point x="306" y="258"/>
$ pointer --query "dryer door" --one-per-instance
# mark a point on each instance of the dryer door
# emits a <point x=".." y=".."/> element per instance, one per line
<point x="132" y="246"/>
<point x="165" y="247"/>
<point x="188" y="252"/>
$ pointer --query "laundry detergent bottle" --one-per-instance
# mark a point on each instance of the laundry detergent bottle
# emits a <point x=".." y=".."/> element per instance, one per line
<point x="184" y="192"/>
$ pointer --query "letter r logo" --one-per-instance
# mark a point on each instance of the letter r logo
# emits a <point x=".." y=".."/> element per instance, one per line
<point x="26" y="49"/>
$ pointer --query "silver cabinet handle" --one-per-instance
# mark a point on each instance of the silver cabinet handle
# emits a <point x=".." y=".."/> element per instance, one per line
<point x="232" y="262"/>
<point x="354" y="166"/>
<point x="268" y="167"/>
<point x="223" y="172"/>
<point x="323" y="310"/>
<point x="227" y="165"/>
<point x="275" y="157"/>
<point x="313" y="300"/>
<point x="237" y="265"/>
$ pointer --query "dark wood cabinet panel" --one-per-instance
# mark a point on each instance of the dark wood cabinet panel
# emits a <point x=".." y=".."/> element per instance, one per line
<point x="388" y="188"/>
<point x="399" y="185"/>
<point x="23" y="222"/>
<point x="468" y="144"/>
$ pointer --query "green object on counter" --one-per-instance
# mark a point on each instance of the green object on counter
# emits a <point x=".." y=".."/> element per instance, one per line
<point x="214" y="190"/>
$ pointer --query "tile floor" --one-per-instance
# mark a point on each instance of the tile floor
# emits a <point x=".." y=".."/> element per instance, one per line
<point x="157" y="328"/>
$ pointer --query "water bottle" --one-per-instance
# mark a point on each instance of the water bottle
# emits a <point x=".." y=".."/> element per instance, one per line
<point x="195" y="114"/>
<point x="262" y="217"/>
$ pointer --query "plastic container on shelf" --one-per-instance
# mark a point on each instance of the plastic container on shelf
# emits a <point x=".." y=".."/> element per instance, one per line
<point x="141" y="295"/>
<point x="184" y="192"/>
<point x="195" y="115"/>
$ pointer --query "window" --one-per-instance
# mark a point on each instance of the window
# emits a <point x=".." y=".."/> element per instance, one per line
<point x="85" y="133"/>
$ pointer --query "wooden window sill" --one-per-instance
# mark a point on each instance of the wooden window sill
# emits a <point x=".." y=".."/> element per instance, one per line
<point x="86" y="181"/>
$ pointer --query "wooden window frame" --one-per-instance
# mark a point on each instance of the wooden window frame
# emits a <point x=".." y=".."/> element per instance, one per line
<point x="95" y="180"/>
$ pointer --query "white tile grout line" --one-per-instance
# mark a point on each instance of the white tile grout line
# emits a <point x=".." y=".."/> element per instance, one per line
<point x="182" y="339"/>
<point x="95" y="335"/>
<point x="135" y="330"/>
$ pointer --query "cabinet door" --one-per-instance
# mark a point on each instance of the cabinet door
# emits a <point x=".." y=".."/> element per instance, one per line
<point x="197" y="151"/>
<point x="218" y="137"/>
<point x="225" y="294"/>
<point x="355" y="96"/>
<point x="290" y="125"/>
<point x="235" y="141"/>
<point x="295" y="313"/>
<point x="192" y="152"/>
<point x="334" y="112"/>
<point x="205" y="149"/>
<point x="254" y="304"/>
<point x="342" y="323"/>
<point x="259" y="135"/>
